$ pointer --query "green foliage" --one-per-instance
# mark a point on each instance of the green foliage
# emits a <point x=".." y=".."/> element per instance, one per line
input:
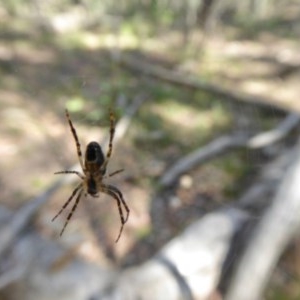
<point x="75" y="104"/>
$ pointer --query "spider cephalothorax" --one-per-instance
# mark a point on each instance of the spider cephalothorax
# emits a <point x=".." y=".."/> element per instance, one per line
<point x="94" y="170"/>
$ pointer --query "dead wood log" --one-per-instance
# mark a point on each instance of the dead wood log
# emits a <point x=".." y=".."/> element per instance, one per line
<point x="276" y="229"/>
<point x="191" y="82"/>
<point x="188" y="267"/>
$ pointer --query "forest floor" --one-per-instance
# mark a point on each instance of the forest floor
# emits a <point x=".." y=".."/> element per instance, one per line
<point x="42" y="74"/>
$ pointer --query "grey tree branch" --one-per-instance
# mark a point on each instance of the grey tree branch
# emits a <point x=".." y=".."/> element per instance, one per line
<point x="269" y="137"/>
<point x="275" y="231"/>
<point x="259" y="194"/>
<point x="224" y="143"/>
<point x="211" y="150"/>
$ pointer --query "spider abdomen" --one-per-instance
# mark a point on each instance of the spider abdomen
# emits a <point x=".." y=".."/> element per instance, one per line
<point x="94" y="157"/>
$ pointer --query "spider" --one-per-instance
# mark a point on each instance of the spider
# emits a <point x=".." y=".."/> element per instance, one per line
<point x="94" y="169"/>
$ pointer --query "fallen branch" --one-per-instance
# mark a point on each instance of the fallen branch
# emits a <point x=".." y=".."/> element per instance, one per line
<point x="188" y="267"/>
<point x="191" y="82"/>
<point x="276" y="229"/>
<point x="211" y="150"/>
<point x="224" y="143"/>
<point x="270" y="137"/>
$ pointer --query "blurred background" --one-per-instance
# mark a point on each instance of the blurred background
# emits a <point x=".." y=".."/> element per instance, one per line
<point x="194" y="86"/>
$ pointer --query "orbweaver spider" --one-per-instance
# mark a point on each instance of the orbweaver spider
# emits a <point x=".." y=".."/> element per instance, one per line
<point x="94" y="169"/>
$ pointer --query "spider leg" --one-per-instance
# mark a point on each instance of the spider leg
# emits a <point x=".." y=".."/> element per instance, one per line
<point x="70" y="172"/>
<point x="111" y="137"/>
<point x="68" y="201"/>
<point x="120" y="195"/>
<point x="111" y="134"/>
<point x="117" y="195"/>
<point x="115" y="172"/>
<point x="79" y="153"/>
<point x="71" y="212"/>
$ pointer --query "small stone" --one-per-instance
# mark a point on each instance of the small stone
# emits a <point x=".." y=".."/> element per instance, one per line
<point x="186" y="181"/>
